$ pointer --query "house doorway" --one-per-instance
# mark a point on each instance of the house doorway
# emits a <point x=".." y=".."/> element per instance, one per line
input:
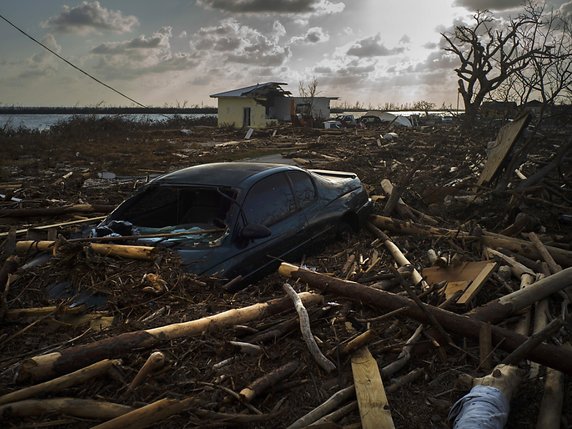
<point x="246" y="117"/>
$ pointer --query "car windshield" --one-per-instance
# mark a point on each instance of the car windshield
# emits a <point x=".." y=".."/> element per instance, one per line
<point x="185" y="213"/>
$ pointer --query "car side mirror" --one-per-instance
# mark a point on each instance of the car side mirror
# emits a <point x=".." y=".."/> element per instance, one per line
<point x="253" y="231"/>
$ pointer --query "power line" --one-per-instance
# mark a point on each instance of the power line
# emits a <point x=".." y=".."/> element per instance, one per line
<point x="73" y="65"/>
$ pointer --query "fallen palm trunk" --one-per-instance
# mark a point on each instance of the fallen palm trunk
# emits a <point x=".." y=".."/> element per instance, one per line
<point x="546" y="354"/>
<point x="66" y="360"/>
<point x="147" y="415"/>
<point x="82" y="408"/>
<point x="563" y="257"/>
<point x="132" y="252"/>
<point x="61" y="383"/>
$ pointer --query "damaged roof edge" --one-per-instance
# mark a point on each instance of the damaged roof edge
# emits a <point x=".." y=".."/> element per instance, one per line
<point x="242" y="92"/>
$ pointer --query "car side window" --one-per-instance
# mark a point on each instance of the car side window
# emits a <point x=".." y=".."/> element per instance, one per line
<point x="304" y="190"/>
<point x="269" y="201"/>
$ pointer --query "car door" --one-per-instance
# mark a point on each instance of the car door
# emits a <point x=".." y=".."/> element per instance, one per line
<point x="270" y="202"/>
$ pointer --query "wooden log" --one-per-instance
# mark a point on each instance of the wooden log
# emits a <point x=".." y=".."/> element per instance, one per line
<point x="405" y="355"/>
<point x="61" y="383"/>
<point x="485" y="346"/>
<point x="546" y="354"/>
<point x="148" y="415"/>
<point x="10" y="266"/>
<point x="397" y="255"/>
<point x="66" y="360"/>
<point x="37" y="312"/>
<point x="55" y="211"/>
<point x="517" y="268"/>
<point x="320" y="359"/>
<point x="332" y="403"/>
<point x="499" y="309"/>
<point x="155" y="361"/>
<point x="563" y="257"/>
<point x="358" y="342"/>
<point x="82" y="408"/>
<point x="533" y="341"/>
<point x="550" y="412"/>
<point x="372" y="399"/>
<point x="56" y="225"/>
<point x="554" y="267"/>
<point x="121" y="250"/>
<point x="260" y="385"/>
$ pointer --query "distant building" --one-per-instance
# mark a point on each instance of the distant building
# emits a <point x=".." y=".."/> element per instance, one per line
<point x="498" y="109"/>
<point x="534" y="107"/>
<point x="264" y="104"/>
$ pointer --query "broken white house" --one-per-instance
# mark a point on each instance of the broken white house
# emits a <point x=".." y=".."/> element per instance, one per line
<point x="265" y="104"/>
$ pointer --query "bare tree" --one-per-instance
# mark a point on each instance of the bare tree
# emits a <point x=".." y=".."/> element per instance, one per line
<point x="489" y="54"/>
<point x="308" y="91"/>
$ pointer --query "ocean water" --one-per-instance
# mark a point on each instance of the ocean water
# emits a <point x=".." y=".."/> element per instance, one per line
<point x="45" y="121"/>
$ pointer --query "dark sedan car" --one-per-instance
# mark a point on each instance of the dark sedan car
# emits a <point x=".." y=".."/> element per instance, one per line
<point x="240" y="218"/>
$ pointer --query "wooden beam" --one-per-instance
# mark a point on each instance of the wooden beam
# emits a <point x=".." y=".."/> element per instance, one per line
<point x="372" y="399"/>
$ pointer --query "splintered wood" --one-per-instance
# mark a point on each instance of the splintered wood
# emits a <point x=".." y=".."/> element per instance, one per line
<point x="468" y="277"/>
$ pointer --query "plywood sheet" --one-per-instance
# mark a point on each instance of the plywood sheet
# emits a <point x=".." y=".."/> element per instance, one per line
<point x="506" y="138"/>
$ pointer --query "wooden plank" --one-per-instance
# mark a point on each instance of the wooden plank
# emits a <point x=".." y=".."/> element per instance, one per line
<point x="453" y="287"/>
<point x="505" y="141"/>
<point x="466" y="271"/>
<point x="477" y="283"/>
<point x="372" y="400"/>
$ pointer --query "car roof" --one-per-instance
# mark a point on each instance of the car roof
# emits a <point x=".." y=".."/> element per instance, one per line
<point x="226" y="174"/>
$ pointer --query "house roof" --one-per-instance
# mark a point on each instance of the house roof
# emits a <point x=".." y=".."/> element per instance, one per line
<point x="258" y="90"/>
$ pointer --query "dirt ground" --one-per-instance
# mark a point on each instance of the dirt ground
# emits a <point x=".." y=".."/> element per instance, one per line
<point x="101" y="162"/>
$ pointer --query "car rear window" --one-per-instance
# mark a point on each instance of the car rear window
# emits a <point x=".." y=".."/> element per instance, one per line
<point x="304" y="190"/>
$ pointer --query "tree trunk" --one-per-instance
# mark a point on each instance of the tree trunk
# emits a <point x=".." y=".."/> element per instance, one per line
<point x="555" y="357"/>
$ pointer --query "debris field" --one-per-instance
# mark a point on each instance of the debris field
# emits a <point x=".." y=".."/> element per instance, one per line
<point x="466" y="257"/>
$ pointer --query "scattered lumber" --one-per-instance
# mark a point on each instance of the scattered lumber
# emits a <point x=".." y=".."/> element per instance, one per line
<point x="546" y="354"/>
<point x="120" y="250"/>
<point x="61" y="383"/>
<point x="501" y="308"/>
<point x="562" y="256"/>
<point x="82" y="408"/>
<point x="147" y="415"/>
<point x="66" y="360"/>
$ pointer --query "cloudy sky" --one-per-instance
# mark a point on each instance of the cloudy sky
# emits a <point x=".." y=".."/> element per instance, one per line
<point x="175" y="52"/>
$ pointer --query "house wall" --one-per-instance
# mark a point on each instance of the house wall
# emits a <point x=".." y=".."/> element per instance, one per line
<point x="230" y="112"/>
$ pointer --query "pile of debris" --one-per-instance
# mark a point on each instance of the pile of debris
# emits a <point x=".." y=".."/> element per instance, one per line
<point x="449" y="305"/>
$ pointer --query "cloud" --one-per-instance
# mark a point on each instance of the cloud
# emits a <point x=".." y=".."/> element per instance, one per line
<point x="405" y="40"/>
<point x="489" y="4"/>
<point x="43" y="63"/>
<point x="312" y="36"/>
<point x="159" y="40"/>
<point x="313" y="7"/>
<point x="372" y="47"/>
<point x="565" y="10"/>
<point x="232" y="42"/>
<point x="430" y="45"/>
<point x="88" y="17"/>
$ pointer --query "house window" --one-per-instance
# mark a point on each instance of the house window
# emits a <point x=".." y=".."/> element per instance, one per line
<point x="246" y="117"/>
